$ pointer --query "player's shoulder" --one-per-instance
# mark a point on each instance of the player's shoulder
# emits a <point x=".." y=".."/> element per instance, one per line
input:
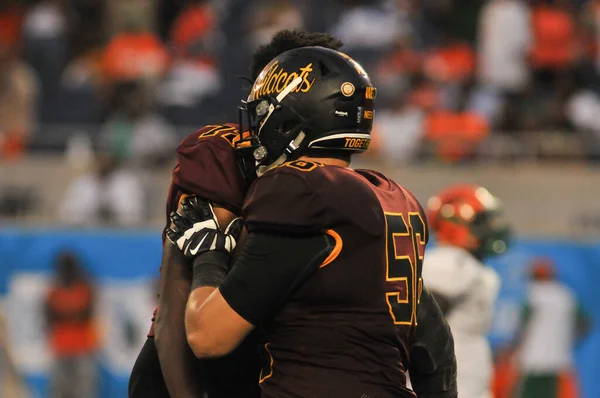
<point x="308" y="194"/>
<point x="394" y="197"/>
<point x="328" y="183"/>
<point x="224" y="135"/>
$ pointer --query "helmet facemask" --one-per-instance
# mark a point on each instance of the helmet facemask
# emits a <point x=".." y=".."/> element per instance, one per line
<point x="267" y="148"/>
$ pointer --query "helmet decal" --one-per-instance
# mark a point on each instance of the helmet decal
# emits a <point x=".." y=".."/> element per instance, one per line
<point x="274" y="80"/>
<point x="347" y="89"/>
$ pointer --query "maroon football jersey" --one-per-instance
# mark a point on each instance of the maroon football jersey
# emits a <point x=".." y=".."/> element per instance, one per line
<point x="207" y="167"/>
<point x="346" y="331"/>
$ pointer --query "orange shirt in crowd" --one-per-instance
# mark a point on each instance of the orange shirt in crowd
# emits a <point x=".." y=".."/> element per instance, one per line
<point x="451" y="63"/>
<point x="553" y="38"/>
<point x="455" y="135"/>
<point x="129" y="56"/>
<point x="402" y="61"/>
<point x="10" y="25"/>
<point x="72" y="337"/>
<point x="192" y="24"/>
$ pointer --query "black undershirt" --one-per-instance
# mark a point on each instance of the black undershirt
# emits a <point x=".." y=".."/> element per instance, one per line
<point x="269" y="269"/>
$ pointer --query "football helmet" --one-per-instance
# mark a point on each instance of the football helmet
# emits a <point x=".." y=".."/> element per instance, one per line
<point x="470" y="217"/>
<point x="309" y="98"/>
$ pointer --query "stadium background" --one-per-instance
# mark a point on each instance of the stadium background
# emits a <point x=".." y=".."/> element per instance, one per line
<point x="500" y="93"/>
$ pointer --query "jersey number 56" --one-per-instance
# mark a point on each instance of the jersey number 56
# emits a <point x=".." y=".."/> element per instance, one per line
<point x="405" y="244"/>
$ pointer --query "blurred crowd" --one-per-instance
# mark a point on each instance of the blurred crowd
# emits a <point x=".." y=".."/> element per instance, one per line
<point x="452" y="75"/>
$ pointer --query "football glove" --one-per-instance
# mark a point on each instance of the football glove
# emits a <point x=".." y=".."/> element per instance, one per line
<point x="195" y="230"/>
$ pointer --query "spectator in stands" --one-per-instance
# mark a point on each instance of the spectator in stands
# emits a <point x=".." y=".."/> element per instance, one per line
<point x="11" y="20"/>
<point x="553" y="322"/>
<point x="86" y="36"/>
<point x="552" y="56"/>
<point x="398" y="131"/>
<point x="504" y="39"/>
<point x="367" y="25"/>
<point x="554" y="47"/>
<point x="18" y="94"/>
<point x="45" y="41"/>
<point x="589" y="31"/>
<point x="582" y="110"/>
<point x="193" y="74"/>
<point x="69" y="310"/>
<point x="134" y="52"/>
<point x="452" y="65"/>
<point x="108" y="194"/>
<point x="134" y="131"/>
<point x="271" y="16"/>
<point x="395" y="70"/>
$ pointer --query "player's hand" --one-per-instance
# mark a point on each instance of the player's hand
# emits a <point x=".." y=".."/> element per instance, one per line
<point x="195" y="230"/>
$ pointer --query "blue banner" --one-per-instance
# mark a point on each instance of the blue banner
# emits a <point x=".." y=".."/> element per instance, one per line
<point x="125" y="265"/>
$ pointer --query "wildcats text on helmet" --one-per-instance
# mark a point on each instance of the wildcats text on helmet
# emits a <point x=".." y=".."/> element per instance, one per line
<point x="275" y="80"/>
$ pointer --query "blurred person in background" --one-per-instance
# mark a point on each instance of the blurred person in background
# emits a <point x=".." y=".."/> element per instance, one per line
<point x="45" y="41"/>
<point x="406" y="116"/>
<point x="69" y="311"/>
<point x="135" y="131"/>
<point x="134" y="52"/>
<point x="11" y="21"/>
<point x="468" y="227"/>
<point x="553" y="321"/>
<point x="193" y="74"/>
<point x="272" y="16"/>
<point x="503" y="42"/>
<point x="87" y="20"/>
<point x="18" y="95"/>
<point x="104" y="196"/>
<point x="552" y="56"/>
<point x="369" y="25"/>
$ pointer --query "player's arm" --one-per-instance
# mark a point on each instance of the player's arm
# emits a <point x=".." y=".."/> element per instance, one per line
<point x="450" y="279"/>
<point x="269" y="268"/>
<point x="432" y="359"/>
<point x="179" y="365"/>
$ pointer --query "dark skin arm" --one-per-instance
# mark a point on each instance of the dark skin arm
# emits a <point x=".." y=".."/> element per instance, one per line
<point x="180" y="367"/>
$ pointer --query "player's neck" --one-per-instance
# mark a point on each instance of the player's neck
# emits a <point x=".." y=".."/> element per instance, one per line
<point x="326" y="161"/>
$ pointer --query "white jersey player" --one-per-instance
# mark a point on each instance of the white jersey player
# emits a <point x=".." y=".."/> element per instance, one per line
<point x="466" y="221"/>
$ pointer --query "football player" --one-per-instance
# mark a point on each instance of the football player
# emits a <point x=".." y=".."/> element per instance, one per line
<point x="468" y="224"/>
<point x="207" y="166"/>
<point x="331" y="268"/>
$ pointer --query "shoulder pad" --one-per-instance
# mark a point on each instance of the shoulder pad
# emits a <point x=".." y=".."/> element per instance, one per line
<point x="303" y="196"/>
<point x="283" y="200"/>
<point x="207" y="166"/>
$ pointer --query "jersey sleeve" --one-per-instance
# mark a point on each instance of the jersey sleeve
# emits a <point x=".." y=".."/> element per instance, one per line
<point x="449" y="272"/>
<point x="285" y="200"/>
<point x="207" y="167"/>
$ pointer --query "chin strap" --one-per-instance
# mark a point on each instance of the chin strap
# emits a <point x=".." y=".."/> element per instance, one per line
<point x="289" y="150"/>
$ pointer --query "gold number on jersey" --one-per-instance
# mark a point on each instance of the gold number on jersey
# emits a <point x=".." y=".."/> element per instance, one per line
<point x="404" y="245"/>
<point x="228" y="133"/>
